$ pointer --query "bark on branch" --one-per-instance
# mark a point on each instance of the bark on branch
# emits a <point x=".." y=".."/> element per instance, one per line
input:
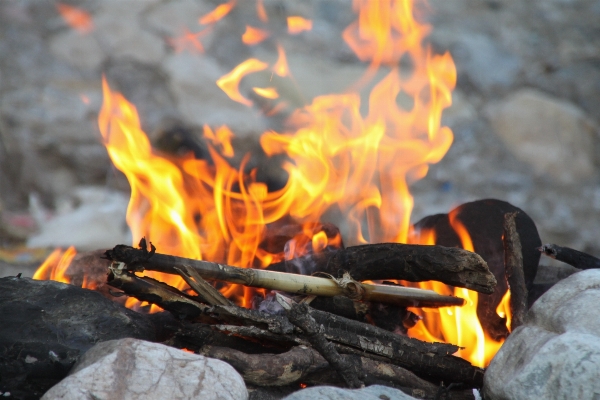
<point x="140" y="259"/>
<point x="513" y="264"/>
<point x="415" y="263"/>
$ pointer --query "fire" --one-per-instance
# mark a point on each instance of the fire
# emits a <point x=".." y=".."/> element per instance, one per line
<point x="298" y="24"/>
<point x="189" y="41"/>
<point x="254" y="36"/>
<point x="458" y="325"/>
<point x="352" y="154"/>
<point x="230" y="82"/>
<point x="76" y="18"/>
<point x="55" y="266"/>
<point x="218" y="13"/>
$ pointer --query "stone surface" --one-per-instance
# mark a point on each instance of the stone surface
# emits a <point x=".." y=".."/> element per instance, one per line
<point x="96" y="220"/>
<point x="556" y="353"/>
<point x="375" y="392"/>
<point x="131" y="369"/>
<point x="553" y="136"/>
<point x="47" y="325"/>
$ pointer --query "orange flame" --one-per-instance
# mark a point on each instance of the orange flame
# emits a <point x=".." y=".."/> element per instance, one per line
<point x="281" y="66"/>
<point x="458" y="325"/>
<point x="220" y="139"/>
<point x="188" y="41"/>
<point x="297" y="25"/>
<point x="350" y="153"/>
<point x="76" y="18"/>
<point x="56" y="265"/>
<point x="254" y="36"/>
<point x="230" y="82"/>
<point x="218" y="13"/>
<point x="267" y="93"/>
<point x="261" y="12"/>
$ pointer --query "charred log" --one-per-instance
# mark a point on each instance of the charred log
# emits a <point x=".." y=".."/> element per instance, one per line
<point x="413" y="263"/>
<point x="484" y="221"/>
<point x="570" y="256"/>
<point x="299" y="315"/>
<point x="513" y="261"/>
<point x="141" y="259"/>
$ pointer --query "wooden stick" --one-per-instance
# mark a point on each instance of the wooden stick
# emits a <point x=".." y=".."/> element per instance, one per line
<point x="513" y="264"/>
<point x="298" y="315"/>
<point x="204" y="289"/>
<point x="304" y="364"/>
<point x="570" y="256"/>
<point x="140" y="259"/>
<point x="415" y="263"/>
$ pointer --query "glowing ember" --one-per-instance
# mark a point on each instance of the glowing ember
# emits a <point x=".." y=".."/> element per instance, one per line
<point x="76" y="18"/>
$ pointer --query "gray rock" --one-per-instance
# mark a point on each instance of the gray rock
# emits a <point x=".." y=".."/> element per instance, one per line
<point x="135" y="369"/>
<point x="554" y="136"/>
<point x="82" y="51"/>
<point x="556" y="353"/>
<point x="375" y="392"/>
<point x="201" y="101"/>
<point x="47" y="325"/>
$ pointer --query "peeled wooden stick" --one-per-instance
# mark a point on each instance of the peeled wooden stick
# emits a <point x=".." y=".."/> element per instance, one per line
<point x="140" y="259"/>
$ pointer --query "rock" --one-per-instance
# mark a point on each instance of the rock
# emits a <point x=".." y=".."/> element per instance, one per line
<point x="556" y="353"/>
<point x="375" y="392"/>
<point x="136" y="369"/>
<point x="82" y="51"/>
<point x="201" y="101"/>
<point x="554" y="136"/>
<point x="97" y="221"/>
<point x="119" y="31"/>
<point x="47" y="325"/>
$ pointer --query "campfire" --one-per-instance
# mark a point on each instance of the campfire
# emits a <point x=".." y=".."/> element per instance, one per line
<point x="327" y="263"/>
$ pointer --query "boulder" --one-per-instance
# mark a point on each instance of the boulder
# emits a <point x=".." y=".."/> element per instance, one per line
<point x="46" y="326"/>
<point x="556" y="353"/>
<point x="554" y="136"/>
<point x="136" y="369"/>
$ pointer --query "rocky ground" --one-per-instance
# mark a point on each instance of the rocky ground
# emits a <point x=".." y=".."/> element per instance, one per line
<point x="525" y="113"/>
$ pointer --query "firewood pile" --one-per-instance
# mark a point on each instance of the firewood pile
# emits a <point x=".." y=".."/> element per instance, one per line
<point x="314" y="333"/>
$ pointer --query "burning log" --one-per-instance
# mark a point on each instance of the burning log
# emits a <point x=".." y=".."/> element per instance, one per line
<point x="513" y="261"/>
<point x="415" y="263"/>
<point x="140" y="259"/>
<point x="570" y="256"/>
<point x="430" y="360"/>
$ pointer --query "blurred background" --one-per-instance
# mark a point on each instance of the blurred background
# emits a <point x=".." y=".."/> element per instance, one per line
<point x="525" y="110"/>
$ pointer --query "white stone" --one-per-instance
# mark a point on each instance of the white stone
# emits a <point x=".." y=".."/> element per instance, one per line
<point x="132" y="369"/>
<point x="556" y="353"/>
<point x="552" y="135"/>
<point x="98" y="221"/>
<point x="172" y="18"/>
<point x="124" y="36"/>
<point x="80" y="50"/>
